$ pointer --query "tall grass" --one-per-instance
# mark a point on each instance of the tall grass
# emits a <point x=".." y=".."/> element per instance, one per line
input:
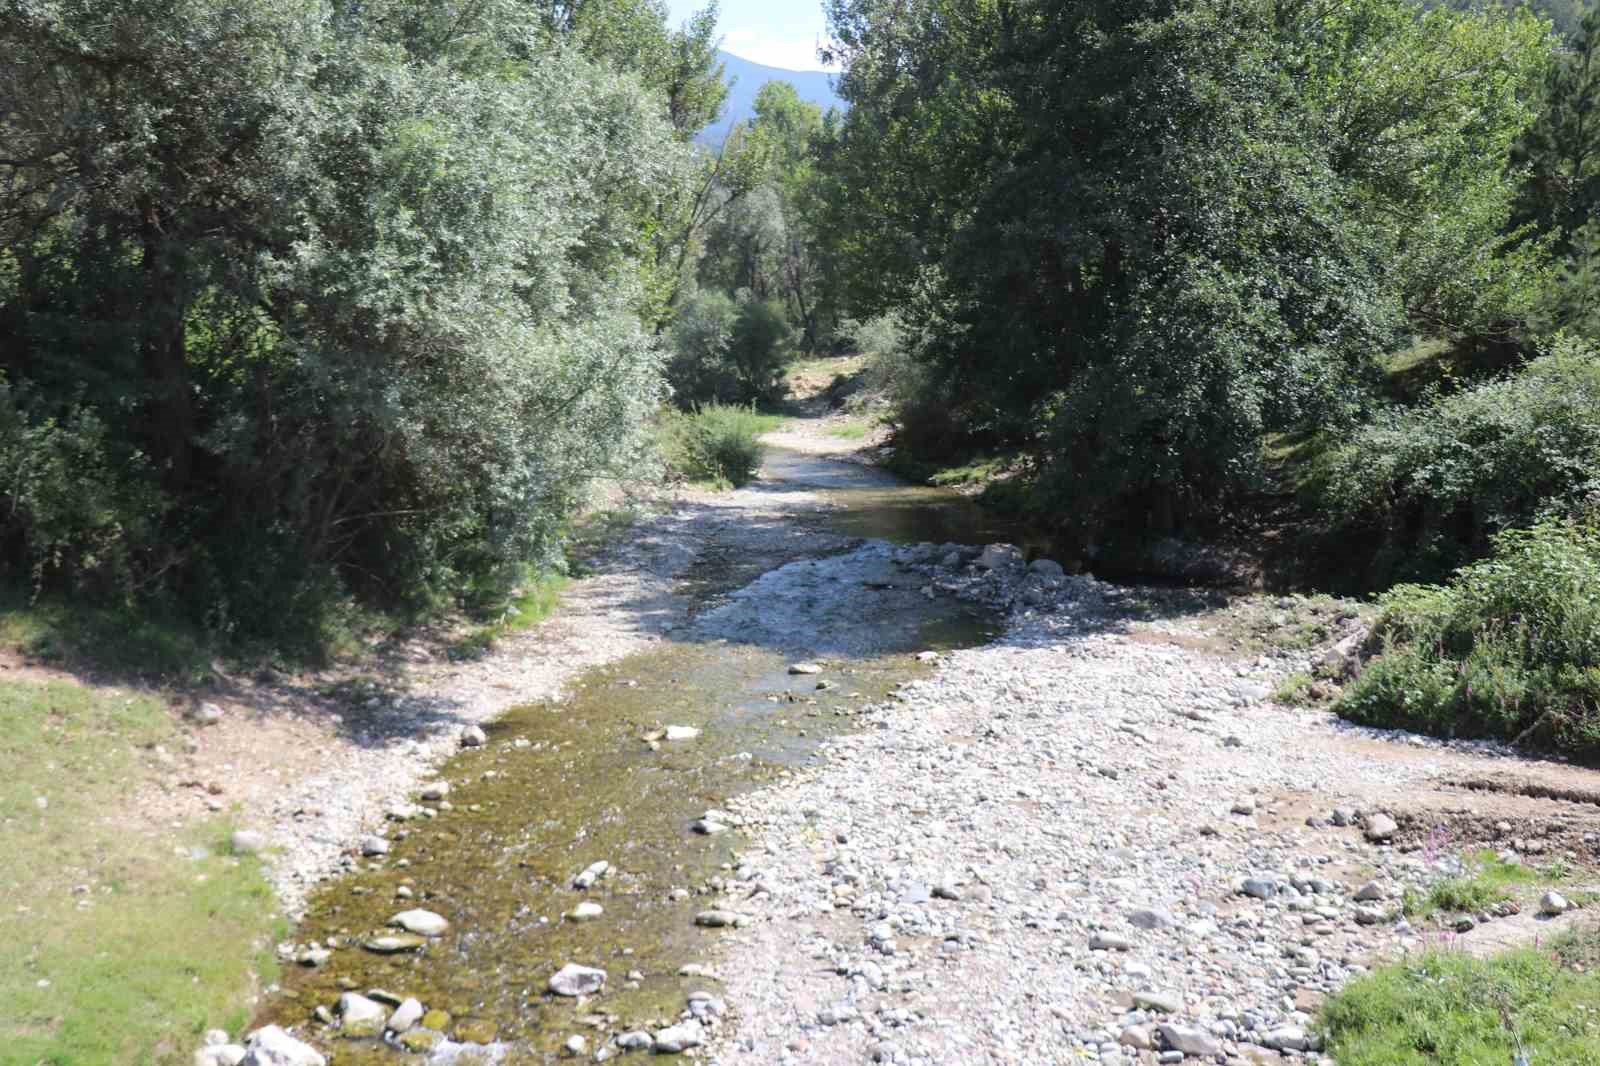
<point x="715" y="443"/>
<point x="1446" y="1007"/>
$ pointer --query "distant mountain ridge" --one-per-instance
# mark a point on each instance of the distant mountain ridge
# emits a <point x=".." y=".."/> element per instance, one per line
<point x="745" y="79"/>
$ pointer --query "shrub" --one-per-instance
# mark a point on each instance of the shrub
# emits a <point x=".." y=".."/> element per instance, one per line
<point x="66" y="504"/>
<point x="716" y="443"/>
<point x="1422" y="491"/>
<point x="729" y="351"/>
<point x="1509" y="649"/>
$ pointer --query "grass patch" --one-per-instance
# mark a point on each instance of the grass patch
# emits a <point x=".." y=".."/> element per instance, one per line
<point x="1444" y="1007"/>
<point x="1509" y="649"/>
<point x="1490" y="882"/>
<point x="716" y="444"/>
<point x="850" y="430"/>
<point x="115" y="946"/>
<point x="1294" y="690"/>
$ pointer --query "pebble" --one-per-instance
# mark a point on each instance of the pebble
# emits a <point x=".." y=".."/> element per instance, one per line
<point x="406" y="1015"/>
<point x="248" y="841"/>
<point x="421" y="922"/>
<point x="677" y="1039"/>
<point x="273" y="1046"/>
<point x="360" y="1016"/>
<point x="591" y="873"/>
<point x="473" y="737"/>
<point x="1380" y="827"/>
<point x="1553" y="903"/>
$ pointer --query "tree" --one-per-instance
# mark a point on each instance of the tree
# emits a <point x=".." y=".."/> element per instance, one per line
<point x="344" y="298"/>
<point x="1560" y="152"/>
<point x="1140" y="236"/>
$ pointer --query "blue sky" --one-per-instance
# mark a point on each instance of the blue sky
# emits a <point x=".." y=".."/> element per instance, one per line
<point x="779" y="33"/>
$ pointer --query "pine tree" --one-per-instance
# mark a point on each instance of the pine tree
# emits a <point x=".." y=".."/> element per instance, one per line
<point x="1561" y="150"/>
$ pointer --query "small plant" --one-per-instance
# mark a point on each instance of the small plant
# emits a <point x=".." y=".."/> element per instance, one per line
<point x="1294" y="690"/>
<point x="1488" y="882"/>
<point x="716" y="443"/>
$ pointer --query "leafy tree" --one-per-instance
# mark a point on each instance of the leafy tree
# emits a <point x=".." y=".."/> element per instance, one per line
<point x="333" y="299"/>
<point x="1137" y="237"/>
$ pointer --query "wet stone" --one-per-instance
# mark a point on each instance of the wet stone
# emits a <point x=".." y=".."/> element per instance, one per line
<point x="575" y="980"/>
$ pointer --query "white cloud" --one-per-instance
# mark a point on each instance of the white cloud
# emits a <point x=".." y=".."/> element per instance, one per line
<point x="796" y="51"/>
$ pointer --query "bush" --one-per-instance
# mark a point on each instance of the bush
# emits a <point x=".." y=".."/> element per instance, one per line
<point x="716" y="443"/>
<point x="1422" y="491"/>
<point x="729" y="351"/>
<point x="66" y="505"/>
<point x="1510" y="649"/>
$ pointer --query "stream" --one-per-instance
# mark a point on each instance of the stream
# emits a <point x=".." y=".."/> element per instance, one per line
<point x="592" y="778"/>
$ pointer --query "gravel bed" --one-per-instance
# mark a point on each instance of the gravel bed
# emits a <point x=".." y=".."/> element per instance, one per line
<point x="1094" y="839"/>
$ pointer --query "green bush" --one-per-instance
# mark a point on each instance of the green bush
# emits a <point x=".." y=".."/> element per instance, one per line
<point x="716" y="443"/>
<point x="1509" y="649"/>
<point x="1422" y="491"/>
<point x="728" y="350"/>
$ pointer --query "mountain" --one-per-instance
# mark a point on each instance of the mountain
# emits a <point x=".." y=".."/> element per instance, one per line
<point x="745" y="79"/>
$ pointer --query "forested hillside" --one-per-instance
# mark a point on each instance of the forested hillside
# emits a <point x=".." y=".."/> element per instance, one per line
<point x="745" y="82"/>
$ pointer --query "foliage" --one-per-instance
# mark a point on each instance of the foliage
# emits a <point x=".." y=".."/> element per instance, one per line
<point x="729" y="351"/>
<point x="155" y="949"/>
<point x="327" y="301"/>
<point x="1509" y="649"/>
<point x="715" y="443"/>
<point x="1443" y="1006"/>
<point x="1421" y="491"/>
<point x="1135" y="239"/>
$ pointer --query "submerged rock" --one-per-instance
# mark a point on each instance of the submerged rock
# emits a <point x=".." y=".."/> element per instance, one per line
<point x="360" y="1016"/>
<point x="421" y="922"/>
<point x="592" y="873"/>
<point x="273" y="1046"/>
<point x="678" y="1038"/>
<point x="575" y="980"/>
<point x="394" y="943"/>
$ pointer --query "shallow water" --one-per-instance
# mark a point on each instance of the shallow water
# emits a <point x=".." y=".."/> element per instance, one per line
<point x="586" y="784"/>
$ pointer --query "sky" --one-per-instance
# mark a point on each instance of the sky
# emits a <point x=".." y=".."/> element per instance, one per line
<point x="778" y="33"/>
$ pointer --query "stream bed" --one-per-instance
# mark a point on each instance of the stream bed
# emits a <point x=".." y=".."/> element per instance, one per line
<point x="560" y="786"/>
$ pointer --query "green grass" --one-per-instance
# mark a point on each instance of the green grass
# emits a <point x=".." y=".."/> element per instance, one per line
<point x="850" y="430"/>
<point x="171" y="933"/>
<point x="1509" y="649"/>
<point x="1445" y="1007"/>
<point x="1294" y="690"/>
<point x="1489" y="882"/>
<point x="77" y="635"/>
